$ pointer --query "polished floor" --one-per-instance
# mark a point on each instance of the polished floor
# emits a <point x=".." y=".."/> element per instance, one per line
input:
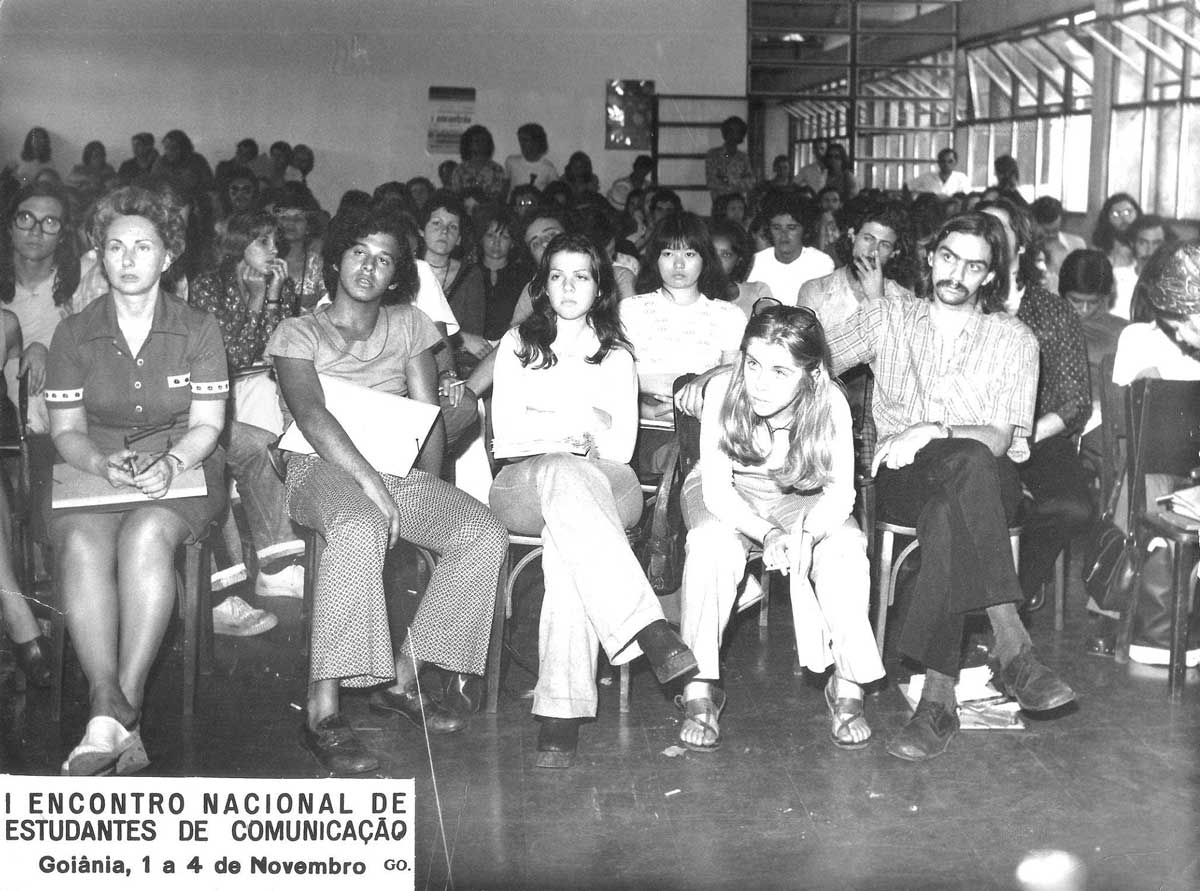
<point x="1113" y="781"/>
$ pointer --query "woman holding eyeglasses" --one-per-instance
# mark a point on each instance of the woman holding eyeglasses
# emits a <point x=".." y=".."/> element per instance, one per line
<point x="141" y="368"/>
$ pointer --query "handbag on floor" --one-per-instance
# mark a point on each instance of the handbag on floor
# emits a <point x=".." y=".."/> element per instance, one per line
<point x="662" y="549"/>
<point x="1112" y="560"/>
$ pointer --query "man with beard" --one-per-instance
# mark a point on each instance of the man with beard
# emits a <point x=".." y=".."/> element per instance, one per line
<point x="955" y="380"/>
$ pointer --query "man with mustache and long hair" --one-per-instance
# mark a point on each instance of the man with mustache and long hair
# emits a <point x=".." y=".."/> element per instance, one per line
<point x="955" y="383"/>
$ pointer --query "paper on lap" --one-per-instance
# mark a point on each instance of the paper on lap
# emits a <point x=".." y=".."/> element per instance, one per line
<point x="388" y="430"/>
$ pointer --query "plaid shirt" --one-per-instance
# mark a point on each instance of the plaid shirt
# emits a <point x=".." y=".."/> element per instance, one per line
<point x="987" y="375"/>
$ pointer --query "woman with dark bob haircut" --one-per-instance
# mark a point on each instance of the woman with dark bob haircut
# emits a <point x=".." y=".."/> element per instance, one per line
<point x="565" y="409"/>
<point x="387" y="345"/>
<point x="136" y="386"/>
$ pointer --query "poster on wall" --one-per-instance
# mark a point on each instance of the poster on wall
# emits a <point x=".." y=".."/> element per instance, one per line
<point x="451" y="111"/>
<point x="628" y="114"/>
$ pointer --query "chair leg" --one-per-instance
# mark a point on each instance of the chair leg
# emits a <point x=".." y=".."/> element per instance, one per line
<point x="624" y="700"/>
<point x="764" y="606"/>
<point x="58" y="642"/>
<point x="1180" y="614"/>
<point x="191" y="608"/>
<point x="1061" y="567"/>
<point x="883" y="586"/>
<point x="494" y="645"/>
<point x="314" y="545"/>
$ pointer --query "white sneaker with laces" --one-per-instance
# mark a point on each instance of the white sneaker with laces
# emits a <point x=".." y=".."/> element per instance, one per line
<point x="287" y="582"/>
<point x="234" y="617"/>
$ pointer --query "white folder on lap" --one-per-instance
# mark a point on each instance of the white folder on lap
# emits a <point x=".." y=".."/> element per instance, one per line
<point x="388" y="430"/>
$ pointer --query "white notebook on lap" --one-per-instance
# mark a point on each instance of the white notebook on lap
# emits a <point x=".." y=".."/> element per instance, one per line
<point x="388" y="430"/>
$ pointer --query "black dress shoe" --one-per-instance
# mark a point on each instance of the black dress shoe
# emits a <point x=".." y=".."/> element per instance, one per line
<point x="669" y="656"/>
<point x="421" y="710"/>
<point x="33" y="658"/>
<point x="335" y="745"/>
<point x="1034" y="686"/>
<point x="463" y="693"/>
<point x="558" y="740"/>
<point x="927" y="733"/>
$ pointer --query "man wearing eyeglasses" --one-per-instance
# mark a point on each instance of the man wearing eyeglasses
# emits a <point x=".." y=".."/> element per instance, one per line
<point x="955" y="385"/>
<point x="789" y="264"/>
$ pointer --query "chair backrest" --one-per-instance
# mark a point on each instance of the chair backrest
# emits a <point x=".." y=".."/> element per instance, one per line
<point x="1164" y="432"/>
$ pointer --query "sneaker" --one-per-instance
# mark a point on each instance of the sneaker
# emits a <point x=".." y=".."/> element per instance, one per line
<point x="1148" y="655"/>
<point x="234" y="617"/>
<point x="287" y="582"/>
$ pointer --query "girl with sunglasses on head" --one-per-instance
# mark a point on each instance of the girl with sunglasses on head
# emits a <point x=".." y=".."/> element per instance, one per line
<point x="565" y="408"/>
<point x="776" y="471"/>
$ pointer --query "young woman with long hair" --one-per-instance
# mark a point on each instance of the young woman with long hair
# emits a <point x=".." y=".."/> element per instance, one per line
<point x="776" y="470"/>
<point x="565" y="406"/>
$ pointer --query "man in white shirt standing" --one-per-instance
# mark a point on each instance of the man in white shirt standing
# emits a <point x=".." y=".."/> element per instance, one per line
<point x="789" y="264"/>
<point x="945" y="180"/>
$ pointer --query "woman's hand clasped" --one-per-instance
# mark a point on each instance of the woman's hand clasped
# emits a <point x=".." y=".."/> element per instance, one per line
<point x="787" y="552"/>
<point x="155" y="479"/>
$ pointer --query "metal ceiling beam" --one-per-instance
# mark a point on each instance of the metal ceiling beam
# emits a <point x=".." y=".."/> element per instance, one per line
<point x="1149" y="45"/>
<point x="1046" y="71"/>
<point x="1065" y="59"/>
<point x="1113" y="49"/>
<point x="1004" y="88"/>
<point x="1175" y="31"/>
<point x="1015" y="72"/>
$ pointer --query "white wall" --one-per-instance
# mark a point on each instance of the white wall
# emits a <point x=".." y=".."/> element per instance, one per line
<point x="276" y="69"/>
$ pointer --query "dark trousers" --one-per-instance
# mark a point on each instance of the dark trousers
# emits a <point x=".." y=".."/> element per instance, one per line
<point x="1061" y="507"/>
<point x="961" y="499"/>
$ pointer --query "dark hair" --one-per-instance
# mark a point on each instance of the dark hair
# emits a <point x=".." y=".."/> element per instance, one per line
<point x="91" y="148"/>
<point x="733" y="127"/>
<point x="537" y="332"/>
<point x="742" y="244"/>
<point x="1046" y="210"/>
<point x="66" y="260"/>
<point x="356" y="223"/>
<point x="229" y="176"/>
<point x="29" y="153"/>
<point x="446" y="169"/>
<point x="582" y="159"/>
<point x="420" y="181"/>
<point x="282" y="147"/>
<point x="519" y="192"/>
<point x="240" y="232"/>
<point x="990" y="296"/>
<point x="163" y="209"/>
<point x="182" y="140"/>
<point x="688" y="231"/>
<point x="444" y="199"/>
<point x="352" y="198"/>
<point x="143" y="139"/>
<point x="1087" y="272"/>
<point x="804" y="211"/>
<point x="559" y="194"/>
<point x="665" y="196"/>
<point x="720" y="208"/>
<point x="1105" y="235"/>
<point x="1005" y="166"/>
<point x="1150" y="221"/>
<point x="949" y="150"/>
<point x="901" y="266"/>
<point x="493" y="213"/>
<point x="250" y="144"/>
<point x="1021" y="222"/>
<point x="536" y="134"/>
<point x="836" y="148"/>
<point x="466" y="143"/>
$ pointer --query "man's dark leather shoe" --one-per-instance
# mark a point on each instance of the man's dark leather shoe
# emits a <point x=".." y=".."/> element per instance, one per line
<point x="334" y="744"/>
<point x="434" y="716"/>
<point x="557" y="742"/>
<point x="1034" y="686"/>
<point x="669" y="656"/>
<point x="463" y="693"/>
<point x="926" y="734"/>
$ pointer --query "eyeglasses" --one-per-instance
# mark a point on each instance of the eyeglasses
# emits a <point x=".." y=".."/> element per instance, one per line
<point x="26" y="221"/>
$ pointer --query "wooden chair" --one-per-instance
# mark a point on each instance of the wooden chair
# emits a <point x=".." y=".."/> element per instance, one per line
<point x="16" y="447"/>
<point x="1164" y="437"/>
<point x="886" y="566"/>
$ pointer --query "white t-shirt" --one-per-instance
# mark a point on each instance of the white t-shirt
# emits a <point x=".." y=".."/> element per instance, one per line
<point x="670" y="340"/>
<point x="932" y="182"/>
<point x="1144" y="347"/>
<point x="1124" y="281"/>
<point x="519" y="170"/>
<point x="785" y="279"/>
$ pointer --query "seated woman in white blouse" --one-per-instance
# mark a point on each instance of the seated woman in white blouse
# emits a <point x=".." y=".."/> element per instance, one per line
<point x="565" y="405"/>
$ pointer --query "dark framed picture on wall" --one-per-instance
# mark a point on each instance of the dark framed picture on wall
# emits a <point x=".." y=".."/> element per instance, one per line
<point x="628" y="114"/>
